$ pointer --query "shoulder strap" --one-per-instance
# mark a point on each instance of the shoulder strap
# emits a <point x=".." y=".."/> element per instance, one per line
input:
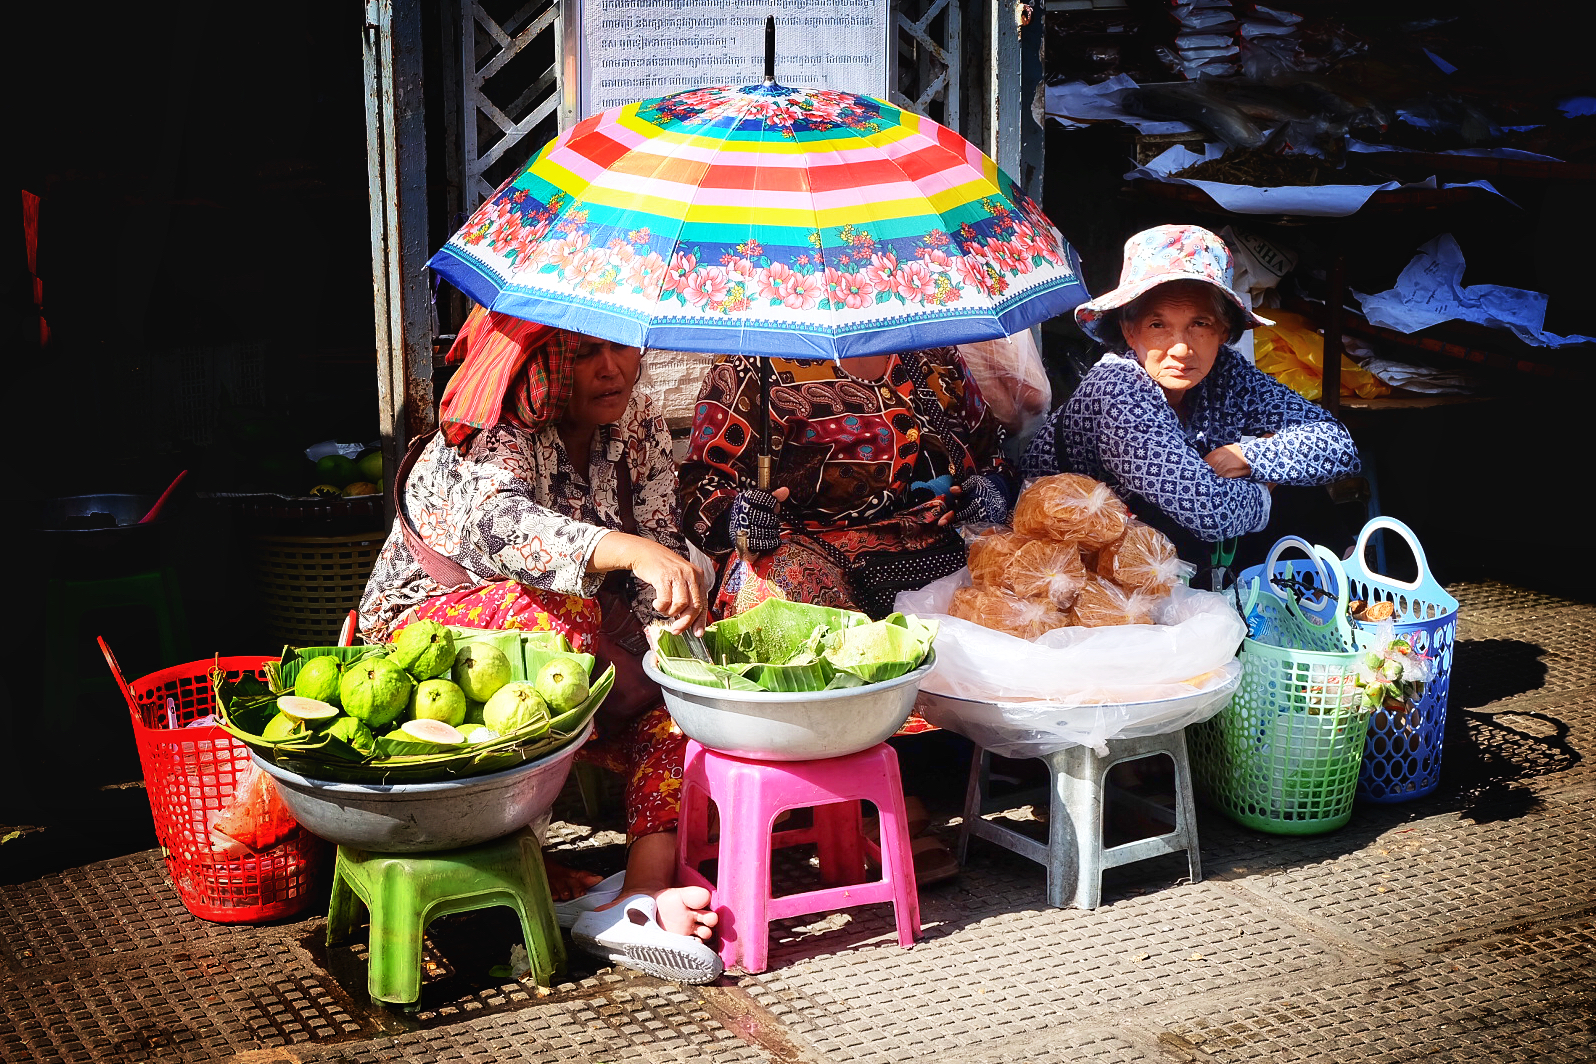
<point x="445" y="571"/>
<point x="933" y="414"/>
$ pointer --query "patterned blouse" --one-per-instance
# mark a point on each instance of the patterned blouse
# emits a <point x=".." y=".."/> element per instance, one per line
<point x="512" y="506"/>
<point x="1120" y="428"/>
<point x="850" y="451"/>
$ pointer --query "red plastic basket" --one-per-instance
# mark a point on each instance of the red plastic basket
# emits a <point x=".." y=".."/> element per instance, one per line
<point x="190" y="773"/>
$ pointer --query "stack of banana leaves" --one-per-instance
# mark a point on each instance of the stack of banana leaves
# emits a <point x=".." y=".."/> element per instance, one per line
<point x="795" y="647"/>
<point x="447" y="703"/>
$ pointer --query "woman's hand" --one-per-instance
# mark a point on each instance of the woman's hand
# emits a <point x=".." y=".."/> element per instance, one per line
<point x="979" y="500"/>
<point x="677" y="594"/>
<point x="754" y="523"/>
<point x="1228" y="461"/>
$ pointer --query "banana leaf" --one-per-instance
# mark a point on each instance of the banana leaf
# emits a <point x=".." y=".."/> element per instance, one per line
<point x="880" y="650"/>
<point x="395" y="744"/>
<point x="319" y="756"/>
<point x="808" y="672"/>
<point x="694" y="671"/>
<point x="774" y="632"/>
<point x="283" y="673"/>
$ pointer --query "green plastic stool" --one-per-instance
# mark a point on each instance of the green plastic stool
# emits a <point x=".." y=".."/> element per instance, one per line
<point x="404" y="892"/>
<point x="67" y="602"/>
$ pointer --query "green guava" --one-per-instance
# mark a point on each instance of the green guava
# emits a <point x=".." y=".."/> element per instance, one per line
<point x="424" y="649"/>
<point x="307" y="711"/>
<point x="563" y="684"/>
<point x="438" y="700"/>
<point x="375" y="690"/>
<point x="513" y="707"/>
<point x="318" y="679"/>
<point x="473" y="712"/>
<point x="430" y="731"/>
<point x="480" y="669"/>
<point x="281" y="728"/>
<point x="355" y="733"/>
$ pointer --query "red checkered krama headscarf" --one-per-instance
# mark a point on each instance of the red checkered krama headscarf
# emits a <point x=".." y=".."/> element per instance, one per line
<point x="511" y="370"/>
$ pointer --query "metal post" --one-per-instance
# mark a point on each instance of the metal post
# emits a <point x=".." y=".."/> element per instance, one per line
<point x="1005" y="93"/>
<point x="1335" y="299"/>
<point x="396" y="163"/>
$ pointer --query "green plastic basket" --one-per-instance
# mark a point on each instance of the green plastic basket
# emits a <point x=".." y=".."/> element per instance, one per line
<point x="1283" y="755"/>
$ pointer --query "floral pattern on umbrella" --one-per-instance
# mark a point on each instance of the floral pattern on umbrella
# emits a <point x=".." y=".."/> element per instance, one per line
<point x="765" y="220"/>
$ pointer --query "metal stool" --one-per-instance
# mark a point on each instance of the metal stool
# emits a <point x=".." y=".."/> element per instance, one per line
<point x="1074" y="853"/>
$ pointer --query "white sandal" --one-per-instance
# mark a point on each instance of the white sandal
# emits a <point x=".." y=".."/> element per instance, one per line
<point x="629" y="934"/>
<point x="601" y="893"/>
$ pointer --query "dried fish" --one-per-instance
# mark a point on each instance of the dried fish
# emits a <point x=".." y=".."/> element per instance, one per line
<point x="1182" y="103"/>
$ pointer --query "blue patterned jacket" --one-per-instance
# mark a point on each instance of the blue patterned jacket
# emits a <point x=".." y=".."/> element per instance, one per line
<point x="1119" y="428"/>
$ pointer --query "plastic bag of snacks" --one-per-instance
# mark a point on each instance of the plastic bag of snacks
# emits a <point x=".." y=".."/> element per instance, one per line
<point x="1143" y="559"/>
<point x="1000" y="611"/>
<point x="1046" y="570"/>
<point x="1102" y="603"/>
<point x="1073" y="509"/>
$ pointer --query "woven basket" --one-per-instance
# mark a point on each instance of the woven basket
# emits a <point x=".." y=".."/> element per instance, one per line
<point x="310" y="583"/>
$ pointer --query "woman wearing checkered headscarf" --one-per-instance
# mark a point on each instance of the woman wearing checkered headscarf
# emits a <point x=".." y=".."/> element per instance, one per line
<point x="546" y="500"/>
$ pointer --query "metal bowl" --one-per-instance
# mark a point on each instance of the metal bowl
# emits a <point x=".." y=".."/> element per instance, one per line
<point x="808" y="726"/>
<point x="100" y="535"/>
<point x="422" y="817"/>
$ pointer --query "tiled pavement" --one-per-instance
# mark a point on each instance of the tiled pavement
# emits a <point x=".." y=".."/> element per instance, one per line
<point x="1458" y="927"/>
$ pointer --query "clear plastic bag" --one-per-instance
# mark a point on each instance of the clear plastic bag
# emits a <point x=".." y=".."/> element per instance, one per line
<point x="1143" y="559"/>
<point x="254" y="820"/>
<point x="1000" y="611"/>
<point x="1012" y="380"/>
<point x="1071" y="508"/>
<point x="1079" y="686"/>
<point x="1046" y="570"/>
<point x="1103" y="604"/>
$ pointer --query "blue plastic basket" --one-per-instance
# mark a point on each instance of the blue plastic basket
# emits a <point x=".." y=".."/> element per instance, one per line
<point x="1402" y="758"/>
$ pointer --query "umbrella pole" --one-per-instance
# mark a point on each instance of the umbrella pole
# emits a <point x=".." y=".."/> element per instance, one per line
<point x="766" y="463"/>
<point x="766" y="469"/>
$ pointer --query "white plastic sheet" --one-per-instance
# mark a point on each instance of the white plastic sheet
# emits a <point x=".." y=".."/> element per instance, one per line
<point x="1323" y="201"/>
<point x="1078" y="686"/>
<point x="1430" y="289"/>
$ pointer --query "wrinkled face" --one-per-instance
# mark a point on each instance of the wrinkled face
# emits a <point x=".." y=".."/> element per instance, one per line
<point x="1176" y="332"/>
<point x="601" y="382"/>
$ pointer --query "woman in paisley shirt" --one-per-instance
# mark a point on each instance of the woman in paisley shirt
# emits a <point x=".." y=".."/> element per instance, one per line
<point x="876" y="458"/>
<point x="547" y="500"/>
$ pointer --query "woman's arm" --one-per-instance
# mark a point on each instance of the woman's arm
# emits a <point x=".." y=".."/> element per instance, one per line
<point x="1307" y="444"/>
<point x="1140" y="443"/>
<point x="666" y="583"/>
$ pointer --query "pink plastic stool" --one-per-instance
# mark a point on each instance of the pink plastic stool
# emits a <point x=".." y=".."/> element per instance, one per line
<point x="750" y="795"/>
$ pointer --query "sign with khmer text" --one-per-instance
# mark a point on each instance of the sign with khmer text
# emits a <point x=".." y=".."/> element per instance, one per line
<point x="637" y="49"/>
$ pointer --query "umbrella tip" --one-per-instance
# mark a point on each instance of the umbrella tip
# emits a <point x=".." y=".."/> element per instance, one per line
<point x="770" y="49"/>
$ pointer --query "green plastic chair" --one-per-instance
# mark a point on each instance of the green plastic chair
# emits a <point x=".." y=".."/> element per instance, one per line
<point x="404" y="892"/>
<point x="69" y="601"/>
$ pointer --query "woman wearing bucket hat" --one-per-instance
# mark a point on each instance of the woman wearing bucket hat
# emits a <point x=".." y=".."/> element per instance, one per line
<point x="1182" y="426"/>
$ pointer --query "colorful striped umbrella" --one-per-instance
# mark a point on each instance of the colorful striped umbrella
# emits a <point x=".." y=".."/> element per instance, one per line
<point x="765" y="220"/>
